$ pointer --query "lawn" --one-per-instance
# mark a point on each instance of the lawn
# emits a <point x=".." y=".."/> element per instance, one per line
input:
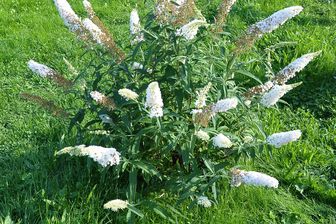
<point x="36" y="187"/>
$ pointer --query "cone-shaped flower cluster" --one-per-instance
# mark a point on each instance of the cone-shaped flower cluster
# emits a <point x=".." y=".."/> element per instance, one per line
<point x="279" y="139"/>
<point x="202" y="96"/>
<point x="221" y="141"/>
<point x="103" y="156"/>
<point x="70" y="18"/>
<point x="96" y="33"/>
<point x="296" y="66"/>
<point x="128" y="94"/>
<point x="40" y="69"/>
<point x="225" y="105"/>
<point x="116" y="205"/>
<point x="204" y="201"/>
<point x="135" y="27"/>
<point x="202" y="135"/>
<point x="154" y="100"/>
<point x="189" y="31"/>
<point x="274" y="95"/>
<point x="253" y="178"/>
<point x="275" y="20"/>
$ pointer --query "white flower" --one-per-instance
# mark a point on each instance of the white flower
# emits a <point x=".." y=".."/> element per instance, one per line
<point x="95" y="31"/>
<point x="196" y="111"/>
<point x="253" y="178"/>
<point x="70" y="18"/>
<point x="40" y="69"/>
<point x="116" y="205"/>
<point x="137" y="65"/>
<point x="282" y="138"/>
<point x="105" y="118"/>
<point x="88" y="8"/>
<point x="204" y="201"/>
<point x="154" y="100"/>
<point x="202" y="135"/>
<point x="135" y="27"/>
<point x="275" y="20"/>
<point x="273" y="96"/>
<point x="202" y="95"/>
<point x="180" y="2"/>
<point x="296" y="66"/>
<point x="248" y="139"/>
<point x="225" y="105"/>
<point x="190" y="30"/>
<point x="104" y="156"/>
<point x="100" y="132"/>
<point x="128" y="94"/>
<point x="97" y="96"/>
<point x="222" y="141"/>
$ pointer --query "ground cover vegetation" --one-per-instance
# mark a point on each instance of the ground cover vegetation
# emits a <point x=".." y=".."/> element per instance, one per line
<point x="39" y="186"/>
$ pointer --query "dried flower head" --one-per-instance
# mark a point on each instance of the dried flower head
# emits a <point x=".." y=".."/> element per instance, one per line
<point x="202" y="135"/>
<point x="128" y="94"/>
<point x="103" y="156"/>
<point x="296" y="66"/>
<point x="257" y="90"/>
<point x="274" y="95"/>
<point x="189" y="31"/>
<point x="223" y="12"/>
<point x="103" y="100"/>
<point x="70" y="18"/>
<point x="252" y="178"/>
<point x="204" y="201"/>
<point x="202" y="95"/>
<point x="154" y="100"/>
<point x="279" y="139"/>
<point x="135" y="27"/>
<point x="46" y="104"/>
<point x="225" y="105"/>
<point x="221" y="141"/>
<point x="116" y="205"/>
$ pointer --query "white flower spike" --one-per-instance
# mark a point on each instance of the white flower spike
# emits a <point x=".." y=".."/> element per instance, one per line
<point x="225" y="105"/>
<point x="116" y="205"/>
<point x="279" y="139"/>
<point x="154" y="100"/>
<point x="128" y="94"/>
<point x="221" y="141"/>
<point x="275" y="20"/>
<point x="202" y="135"/>
<point x="40" y="69"/>
<point x="296" y="66"/>
<point x="70" y="18"/>
<point x="204" y="201"/>
<point x="273" y="96"/>
<point x="135" y="27"/>
<point x="189" y="31"/>
<point x="253" y="178"/>
<point x="103" y="156"/>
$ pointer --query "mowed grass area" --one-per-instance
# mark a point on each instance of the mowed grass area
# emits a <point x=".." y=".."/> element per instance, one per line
<point x="36" y="187"/>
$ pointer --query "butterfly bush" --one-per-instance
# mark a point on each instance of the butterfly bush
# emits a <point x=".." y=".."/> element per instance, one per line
<point x="184" y="119"/>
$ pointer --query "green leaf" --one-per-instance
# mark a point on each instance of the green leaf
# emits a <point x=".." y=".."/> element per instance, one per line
<point x="135" y="210"/>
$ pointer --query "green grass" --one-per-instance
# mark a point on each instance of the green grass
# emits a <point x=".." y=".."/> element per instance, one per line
<point x="36" y="187"/>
